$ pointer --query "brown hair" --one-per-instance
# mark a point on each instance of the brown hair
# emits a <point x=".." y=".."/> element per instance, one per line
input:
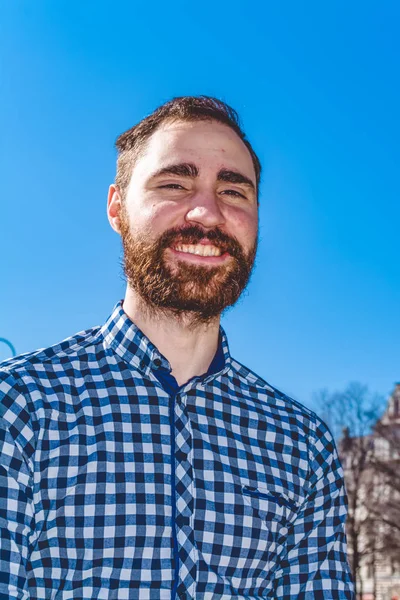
<point x="186" y="108"/>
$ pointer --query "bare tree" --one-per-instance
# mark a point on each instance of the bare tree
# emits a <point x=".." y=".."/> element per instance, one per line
<point x="386" y="462"/>
<point x="351" y="416"/>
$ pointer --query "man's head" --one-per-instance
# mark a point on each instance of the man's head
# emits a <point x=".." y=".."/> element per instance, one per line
<point x="185" y="203"/>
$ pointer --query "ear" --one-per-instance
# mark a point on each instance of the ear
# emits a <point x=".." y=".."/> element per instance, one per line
<point x="114" y="204"/>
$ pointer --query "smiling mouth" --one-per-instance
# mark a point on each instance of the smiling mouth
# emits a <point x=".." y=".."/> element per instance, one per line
<point x="198" y="249"/>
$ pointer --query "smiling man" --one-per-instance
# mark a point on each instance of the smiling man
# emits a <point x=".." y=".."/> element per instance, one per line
<point x="139" y="459"/>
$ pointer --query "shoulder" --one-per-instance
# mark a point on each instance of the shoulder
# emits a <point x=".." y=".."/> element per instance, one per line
<point x="73" y="347"/>
<point x="257" y="386"/>
<point x="290" y="412"/>
<point x="293" y="421"/>
<point x="28" y="376"/>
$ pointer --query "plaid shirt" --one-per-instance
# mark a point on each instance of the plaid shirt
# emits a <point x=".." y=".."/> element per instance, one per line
<point x="110" y="488"/>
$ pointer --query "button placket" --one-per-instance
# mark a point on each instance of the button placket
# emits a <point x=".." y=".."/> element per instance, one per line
<point x="184" y="501"/>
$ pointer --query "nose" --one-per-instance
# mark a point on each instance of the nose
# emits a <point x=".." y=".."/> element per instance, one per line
<point x="205" y="210"/>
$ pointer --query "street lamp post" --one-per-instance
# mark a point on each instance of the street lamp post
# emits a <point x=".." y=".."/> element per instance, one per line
<point x="9" y="344"/>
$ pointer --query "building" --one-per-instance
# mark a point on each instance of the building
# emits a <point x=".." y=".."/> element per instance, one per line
<point x="372" y="471"/>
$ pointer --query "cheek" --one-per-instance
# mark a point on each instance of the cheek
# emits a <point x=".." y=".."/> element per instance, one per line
<point x="154" y="218"/>
<point x="165" y="215"/>
<point x="244" y="226"/>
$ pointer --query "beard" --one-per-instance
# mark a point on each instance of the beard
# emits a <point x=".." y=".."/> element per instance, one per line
<point x="194" y="292"/>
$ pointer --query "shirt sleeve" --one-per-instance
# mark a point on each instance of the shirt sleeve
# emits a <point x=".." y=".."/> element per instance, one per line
<point x="16" y="490"/>
<point x="315" y="565"/>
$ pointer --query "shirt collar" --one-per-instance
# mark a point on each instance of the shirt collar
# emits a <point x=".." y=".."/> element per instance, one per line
<point x="131" y="344"/>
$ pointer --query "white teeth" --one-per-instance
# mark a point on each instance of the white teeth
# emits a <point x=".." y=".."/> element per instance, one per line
<point x="199" y="249"/>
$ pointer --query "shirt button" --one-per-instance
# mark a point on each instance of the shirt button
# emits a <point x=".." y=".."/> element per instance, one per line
<point x="157" y="363"/>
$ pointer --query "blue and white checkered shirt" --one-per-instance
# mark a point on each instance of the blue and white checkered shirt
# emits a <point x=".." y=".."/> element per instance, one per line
<point x="111" y="488"/>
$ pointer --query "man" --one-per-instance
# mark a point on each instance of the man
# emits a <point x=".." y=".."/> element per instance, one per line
<point x="139" y="459"/>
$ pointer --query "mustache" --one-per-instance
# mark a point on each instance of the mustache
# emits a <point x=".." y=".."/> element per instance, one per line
<point x="193" y="234"/>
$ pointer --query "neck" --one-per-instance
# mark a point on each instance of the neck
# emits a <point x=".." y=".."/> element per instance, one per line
<point x="188" y="347"/>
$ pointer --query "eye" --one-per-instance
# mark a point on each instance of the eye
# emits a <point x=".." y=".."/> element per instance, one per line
<point x="172" y="186"/>
<point x="234" y="193"/>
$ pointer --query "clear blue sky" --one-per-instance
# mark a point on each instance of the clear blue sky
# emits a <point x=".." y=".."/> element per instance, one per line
<point x="317" y="88"/>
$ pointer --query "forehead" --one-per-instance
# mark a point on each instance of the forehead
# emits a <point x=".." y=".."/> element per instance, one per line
<point x="208" y="144"/>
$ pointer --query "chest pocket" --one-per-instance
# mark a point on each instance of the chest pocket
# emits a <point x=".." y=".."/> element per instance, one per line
<point x="276" y="510"/>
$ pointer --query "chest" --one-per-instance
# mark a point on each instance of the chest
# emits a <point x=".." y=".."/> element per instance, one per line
<point x="212" y="472"/>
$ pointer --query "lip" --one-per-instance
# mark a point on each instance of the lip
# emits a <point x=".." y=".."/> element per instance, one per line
<point x="200" y="260"/>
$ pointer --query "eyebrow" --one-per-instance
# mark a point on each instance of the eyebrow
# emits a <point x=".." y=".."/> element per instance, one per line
<point x="192" y="171"/>
<point x="181" y="169"/>
<point x="235" y="177"/>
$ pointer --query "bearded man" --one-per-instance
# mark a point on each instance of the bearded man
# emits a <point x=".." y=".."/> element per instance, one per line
<point x="139" y="459"/>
